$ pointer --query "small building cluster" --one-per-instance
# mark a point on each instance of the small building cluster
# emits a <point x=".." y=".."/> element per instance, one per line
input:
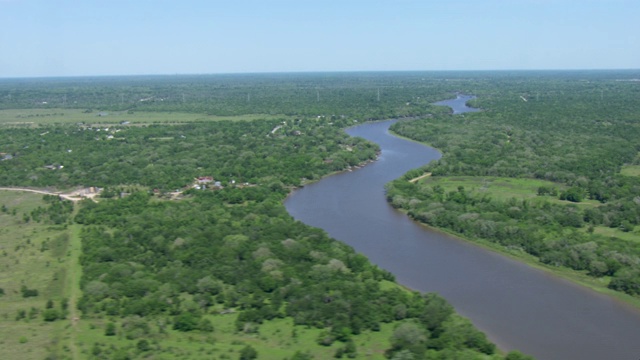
<point x="202" y="182"/>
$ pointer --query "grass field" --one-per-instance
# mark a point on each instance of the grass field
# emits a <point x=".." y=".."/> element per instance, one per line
<point x="277" y="339"/>
<point x="33" y="255"/>
<point x="633" y="236"/>
<point x="500" y="188"/>
<point x="33" y="117"/>
<point x="630" y="170"/>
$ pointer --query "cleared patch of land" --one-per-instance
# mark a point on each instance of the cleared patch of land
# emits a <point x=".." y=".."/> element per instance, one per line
<point x="33" y="257"/>
<point x="33" y="117"/>
<point x="277" y="339"/>
<point x="420" y="177"/>
<point x="618" y="233"/>
<point x="630" y="170"/>
<point x="501" y="188"/>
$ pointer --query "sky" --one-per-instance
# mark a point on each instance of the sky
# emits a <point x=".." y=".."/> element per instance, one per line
<point x="43" y="38"/>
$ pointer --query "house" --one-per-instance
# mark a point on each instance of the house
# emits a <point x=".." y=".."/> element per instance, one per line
<point x="204" y="180"/>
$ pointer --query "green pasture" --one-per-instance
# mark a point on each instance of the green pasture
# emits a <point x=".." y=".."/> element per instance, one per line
<point x="502" y="188"/>
<point x="276" y="339"/>
<point x="633" y="236"/>
<point x="499" y="188"/>
<point x="630" y="170"/>
<point x="34" y="117"/>
<point x="33" y="255"/>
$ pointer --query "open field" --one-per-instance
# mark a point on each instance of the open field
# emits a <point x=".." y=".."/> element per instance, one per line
<point x="617" y="233"/>
<point x="630" y="170"/>
<point x="277" y="339"/>
<point x="32" y="255"/>
<point x="501" y="188"/>
<point x="33" y="117"/>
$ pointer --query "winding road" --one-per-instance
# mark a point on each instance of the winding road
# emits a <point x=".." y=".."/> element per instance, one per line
<point x="64" y="196"/>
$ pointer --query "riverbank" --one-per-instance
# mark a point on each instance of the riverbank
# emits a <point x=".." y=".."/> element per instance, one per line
<point x="577" y="277"/>
<point x="574" y="276"/>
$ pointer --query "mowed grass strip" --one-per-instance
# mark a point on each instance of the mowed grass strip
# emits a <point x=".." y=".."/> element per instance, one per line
<point x="34" y="117"/>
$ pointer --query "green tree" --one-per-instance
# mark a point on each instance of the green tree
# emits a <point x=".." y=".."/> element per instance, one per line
<point x="51" y="315"/>
<point x="110" y="329"/>
<point x="411" y="337"/>
<point x="185" y="322"/>
<point x="248" y="353"/>
<point x="143" y="345"/>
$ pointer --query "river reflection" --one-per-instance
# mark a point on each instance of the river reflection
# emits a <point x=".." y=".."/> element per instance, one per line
<point x="517" y="306"/>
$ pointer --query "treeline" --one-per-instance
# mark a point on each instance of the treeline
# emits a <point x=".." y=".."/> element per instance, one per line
<point x="577" y="133"/>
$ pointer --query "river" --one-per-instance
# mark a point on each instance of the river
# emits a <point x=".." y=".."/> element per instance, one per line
<point x="517" y="306"/>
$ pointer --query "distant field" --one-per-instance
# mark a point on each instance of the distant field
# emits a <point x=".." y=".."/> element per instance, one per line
<point x="500" y="188"/>
<point x="630" y="170"/>
<point x="31" y="117"/>
<point x="617" y="233"/>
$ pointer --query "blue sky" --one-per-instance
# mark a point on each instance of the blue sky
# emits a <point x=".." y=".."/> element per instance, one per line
<point x="127" y="37"/>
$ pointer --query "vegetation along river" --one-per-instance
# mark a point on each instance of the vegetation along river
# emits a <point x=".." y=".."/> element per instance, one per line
<point x="519" y="307"/>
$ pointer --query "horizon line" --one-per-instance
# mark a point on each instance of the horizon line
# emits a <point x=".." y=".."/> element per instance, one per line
<point x="313" y="72"/>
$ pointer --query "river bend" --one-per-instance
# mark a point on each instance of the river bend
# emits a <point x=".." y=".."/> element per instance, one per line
<point x="517" y="306"/>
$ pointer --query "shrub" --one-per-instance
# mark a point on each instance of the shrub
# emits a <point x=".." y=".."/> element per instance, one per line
<point x="51" y="315"/>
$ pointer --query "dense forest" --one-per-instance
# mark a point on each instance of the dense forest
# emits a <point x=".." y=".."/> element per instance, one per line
<point x="206" y="257"/>
<point x="170" y="157"/>
<point x="158" y="267"/>
<point x="580" y="136"/>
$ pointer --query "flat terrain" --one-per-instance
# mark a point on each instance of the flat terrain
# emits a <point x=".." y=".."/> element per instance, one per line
<point x="502" y="188"/>
<point x="32" y="255"/>
<point x="31" y="117"/>
<point x="630" y="170"/>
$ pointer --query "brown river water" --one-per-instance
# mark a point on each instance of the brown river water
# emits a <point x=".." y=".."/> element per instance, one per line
<point x="517" y="306"/>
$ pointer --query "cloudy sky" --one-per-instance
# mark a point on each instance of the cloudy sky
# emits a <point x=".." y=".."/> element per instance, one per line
<point x="126" y="37"/>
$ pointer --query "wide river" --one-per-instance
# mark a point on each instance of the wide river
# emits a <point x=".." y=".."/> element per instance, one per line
<point x="517" y="306"/>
